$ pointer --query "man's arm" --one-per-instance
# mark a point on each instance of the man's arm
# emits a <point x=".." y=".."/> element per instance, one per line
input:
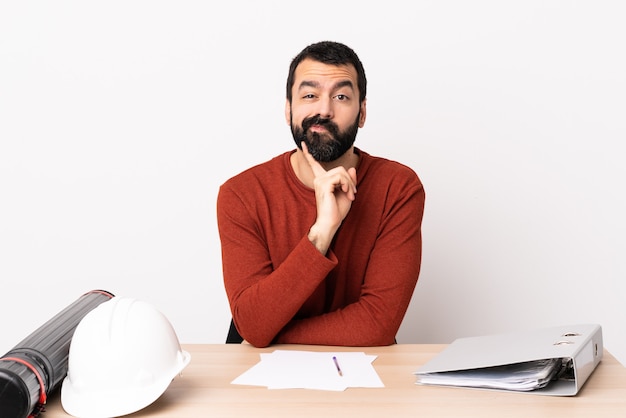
<point x="263" y="297"/>
<point x="392" y="272"/>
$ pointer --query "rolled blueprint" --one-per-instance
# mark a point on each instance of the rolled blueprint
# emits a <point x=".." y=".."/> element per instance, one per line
<point x="38" y="364"/>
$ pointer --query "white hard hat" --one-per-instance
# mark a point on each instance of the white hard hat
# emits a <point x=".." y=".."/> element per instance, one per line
<point x="123" y="356"/>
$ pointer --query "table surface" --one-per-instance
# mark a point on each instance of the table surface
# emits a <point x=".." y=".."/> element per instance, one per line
<point x="204" y="390"/>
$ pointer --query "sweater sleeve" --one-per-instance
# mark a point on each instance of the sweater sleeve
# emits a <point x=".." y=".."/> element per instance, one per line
<point x="263" y="299"/>
<point x="388" y="283"/>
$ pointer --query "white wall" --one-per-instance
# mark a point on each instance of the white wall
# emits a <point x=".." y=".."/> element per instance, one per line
<point x="119" y="121"/>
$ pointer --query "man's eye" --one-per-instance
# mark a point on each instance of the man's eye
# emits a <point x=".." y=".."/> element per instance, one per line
<point x="308" y="96"/>
<point x="341" y="97"/>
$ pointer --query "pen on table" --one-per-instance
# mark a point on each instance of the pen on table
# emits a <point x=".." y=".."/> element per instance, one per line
<point x="337" y="366"/>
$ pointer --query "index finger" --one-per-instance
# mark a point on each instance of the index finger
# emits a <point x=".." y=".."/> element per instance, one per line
<point x="315" y="165"/>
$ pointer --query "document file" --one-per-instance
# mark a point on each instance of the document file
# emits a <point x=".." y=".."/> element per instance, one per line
<point x="549" y="361"/>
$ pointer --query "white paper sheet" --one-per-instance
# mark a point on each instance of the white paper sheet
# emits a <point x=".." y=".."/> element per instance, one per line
<point x="289" y="369"/>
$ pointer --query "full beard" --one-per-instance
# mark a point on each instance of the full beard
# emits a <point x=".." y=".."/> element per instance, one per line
<point x="328" y="146"/>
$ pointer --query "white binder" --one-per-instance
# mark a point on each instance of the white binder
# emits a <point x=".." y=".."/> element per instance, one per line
<point x="578" y="346"/>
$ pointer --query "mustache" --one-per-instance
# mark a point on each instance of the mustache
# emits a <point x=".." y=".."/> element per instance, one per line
<point x="318" y="120"/>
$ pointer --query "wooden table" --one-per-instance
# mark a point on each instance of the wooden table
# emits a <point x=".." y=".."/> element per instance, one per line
<point x="204" y="390"/>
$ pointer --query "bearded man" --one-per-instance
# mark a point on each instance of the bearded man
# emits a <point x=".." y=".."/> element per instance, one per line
<point x="306" y="259"/>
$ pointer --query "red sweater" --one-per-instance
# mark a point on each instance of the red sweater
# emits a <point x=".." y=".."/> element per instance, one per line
<point x="281" y="289"/>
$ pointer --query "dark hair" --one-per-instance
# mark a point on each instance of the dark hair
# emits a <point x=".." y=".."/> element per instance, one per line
<point x="333" y="53"/>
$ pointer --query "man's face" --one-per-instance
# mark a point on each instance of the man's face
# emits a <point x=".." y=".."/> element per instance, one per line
<point x="325" y="111"/>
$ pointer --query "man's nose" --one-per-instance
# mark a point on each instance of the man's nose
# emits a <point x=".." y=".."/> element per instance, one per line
<point x="325" y="108"/>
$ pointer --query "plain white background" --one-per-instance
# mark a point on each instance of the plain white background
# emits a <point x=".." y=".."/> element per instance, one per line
<point x="120" y="119"/>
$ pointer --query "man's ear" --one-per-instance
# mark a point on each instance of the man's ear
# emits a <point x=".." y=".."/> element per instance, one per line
<point x="287" y="112"/>
<point x="363" y="113"/>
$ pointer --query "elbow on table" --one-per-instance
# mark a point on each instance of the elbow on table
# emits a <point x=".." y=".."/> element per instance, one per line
<point x="256" y="339"/>
<point x="373" y="334"/>
<point x="260" y="343"/>
<point x="379" y="340"/>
